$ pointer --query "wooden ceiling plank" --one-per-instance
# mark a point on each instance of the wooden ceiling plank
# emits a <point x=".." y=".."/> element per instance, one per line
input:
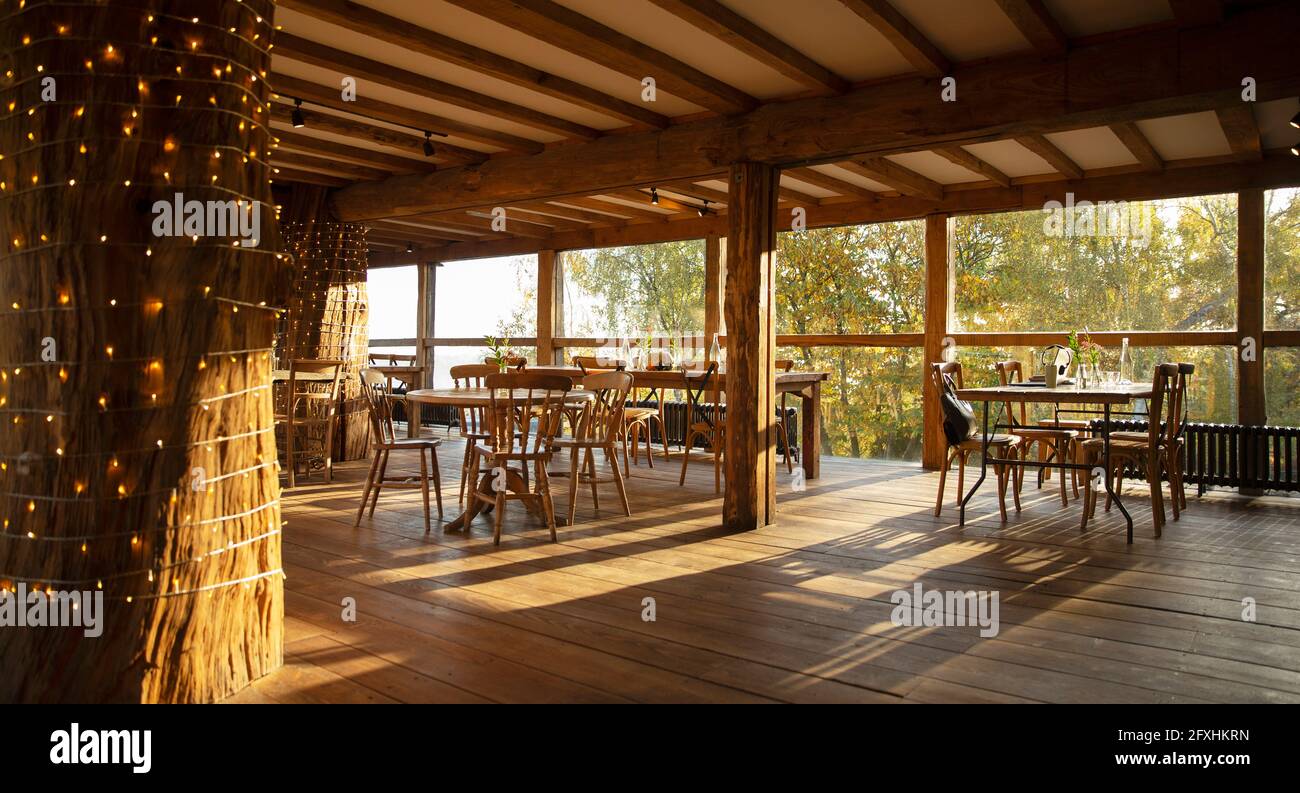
<point x="400" y="33"/>
<point x="959" y="156"/>
<point x="1241" y="130"/>
<point x="295" y="88"/>
<point x="569" y="213"/>
<point x="360" y="130"/>
<point x="1056" y="158"/>
<point x="904" y="180"/>
<point x="1036" y="23"/>
<point x="302" y="50"/>
<point x="902" y="34"/>
<point x="738" y="32"/>
<point x="279" y="174"/>
<point x="587" y="38"/>
<point x="1138" y="145"/>
<point x="461" y="220"/>
<point x="1193" y="13"/>
<point x="374" y="159"/>
<point x="597" y="205"/>
<point x="838" y="186"/>
<point x="326" y="164"/>
<point x="392" y="230"/>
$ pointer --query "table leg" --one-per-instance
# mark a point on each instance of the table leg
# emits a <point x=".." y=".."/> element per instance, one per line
<point x="1105" y="456"/>
<point x="811" y="398"/>
<point x="514" y="482"/>
<point x="984" y="468"/>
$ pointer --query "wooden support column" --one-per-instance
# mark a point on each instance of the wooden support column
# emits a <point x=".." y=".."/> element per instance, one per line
<point x="749" y="500"/>
<point x="714" y="278"/>
<point x="546" y="289"/>
<point x="937" y="301"/>
<point x="1250" y="306"/>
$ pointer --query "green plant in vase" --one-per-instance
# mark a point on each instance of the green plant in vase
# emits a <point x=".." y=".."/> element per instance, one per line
<point x="499" y="351"/>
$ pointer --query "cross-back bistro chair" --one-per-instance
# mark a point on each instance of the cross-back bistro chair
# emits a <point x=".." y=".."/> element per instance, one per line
<point x="384" y="440"/>
<point x="471" y="420"/>
<point x="704" y="393"/>
<point x="1156" y="451"/>
<point x="599" y="429"/>
<point x="524" y="413"/>
<point x="308" y="414"/>
<point x="1001" y="444"/>
<point x="1053" y="443"/>
<point x="782" y="431"/>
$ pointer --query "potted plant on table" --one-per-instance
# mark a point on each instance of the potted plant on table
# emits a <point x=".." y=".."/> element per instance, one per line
<point x="499" y="351"/>
<point x="1087" y="356"/>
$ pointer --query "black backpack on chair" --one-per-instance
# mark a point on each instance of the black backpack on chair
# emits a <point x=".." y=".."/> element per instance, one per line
<point x="959" y="422"/>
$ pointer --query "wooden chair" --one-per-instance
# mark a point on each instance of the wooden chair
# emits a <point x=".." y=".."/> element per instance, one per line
<point x="523" y="416"/>
<point x="512" y="362"/>
<point x="311" y="402"/>
<point x="393" y="359"/>
<point x="384" y="440"/>
<point x="638" y="417"/>
<point x="1154" y="451"/>
<point x="1000" y="444"/>
<point x="783" y="365"/>
<point x="1174" y="460"/>
<point x="472" y="421"/>
<point x="600" y="428"/>
<point x="706" y="420"/>
<point x="1052" y="442"/>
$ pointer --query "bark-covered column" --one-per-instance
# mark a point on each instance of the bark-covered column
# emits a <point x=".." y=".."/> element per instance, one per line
<point x="136" y="435"/>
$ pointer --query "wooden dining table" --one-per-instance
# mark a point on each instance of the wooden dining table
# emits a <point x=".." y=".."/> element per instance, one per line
<point x="1105" y="396"/>
<point x="482" y="398"/>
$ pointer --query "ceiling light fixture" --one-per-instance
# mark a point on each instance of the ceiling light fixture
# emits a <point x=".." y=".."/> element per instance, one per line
<point x="296" y="118"/>
<point x="1295" y="121"/>
<point x="410" y="247"/>
<point x="654" y="196"/>
<point x="428" y="144"/>
<point x="704" y="210"/>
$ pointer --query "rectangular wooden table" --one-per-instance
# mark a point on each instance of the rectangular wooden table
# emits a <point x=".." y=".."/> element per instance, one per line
<point x="807" y="386"/>
<point x="1061" y="395"/>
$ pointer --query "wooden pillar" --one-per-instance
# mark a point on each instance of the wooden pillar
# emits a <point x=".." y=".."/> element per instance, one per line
<point x="750" y="456"/>
<point x="153" y="483"/>
<point x="1250" y="306"/>
<point x="425" y="317"/>
<point x="546" y="275"/>
<point x="937" y="302"/>
<point x="715" y="276"/>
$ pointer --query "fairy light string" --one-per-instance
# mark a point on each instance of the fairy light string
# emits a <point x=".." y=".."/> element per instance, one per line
<point x="106" y="405"/>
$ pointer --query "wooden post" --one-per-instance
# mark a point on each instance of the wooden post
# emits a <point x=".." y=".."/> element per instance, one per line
<point x="937" y="301"/>
<point x="546" y="307"/>
<point x="714" y="278"/>
<point x="749" y="500"/>
<point x="557" y="307"/>
<point x="1250" y="307"/>
<point x="153" y="484"/>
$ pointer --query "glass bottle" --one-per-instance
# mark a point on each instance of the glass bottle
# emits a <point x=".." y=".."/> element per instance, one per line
<point x="1125" y="363"/>
<point x="714" y="351"/>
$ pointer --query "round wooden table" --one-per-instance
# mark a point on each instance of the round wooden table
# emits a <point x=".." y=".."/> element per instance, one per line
<point x="482" y="398"/>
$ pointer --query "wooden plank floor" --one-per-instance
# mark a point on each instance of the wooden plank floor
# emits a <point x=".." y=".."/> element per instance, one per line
<point x="797" y="612"/>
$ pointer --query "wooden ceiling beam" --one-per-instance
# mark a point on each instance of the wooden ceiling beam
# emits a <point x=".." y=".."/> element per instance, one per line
<point x="739" y="33"/>
<point x="596" y="205"/>
<point x="400" y="33"/>
<point x="1036" y="24"/>
<point x="292" y="139"/>
<point x="904" y="180"/>
<point x="903" y="35"/>
<point x="959" y="156"/>
<point x="418" y="232"/>
<point x="287" y="174"/>
<point x="1056" y="158"/>
<point x="326" y="164"/>
<point x="1138" y="145"/>
<point x="463" y="221"/>
<point x="1142" y="74"/>
<point x="295" y="88"/>
<point x="1241" y="130"/>
<point x="304" y="51"/>
<point x="371" y="133"/>
<point x="587" y="38"/>
<point x="838" y="186"/>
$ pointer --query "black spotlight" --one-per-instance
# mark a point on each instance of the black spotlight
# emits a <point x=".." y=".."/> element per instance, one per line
<point x="704" y="210"/>
<point x="428" y="144"/>
<point x="1295" y="121"/>
<point x="654" y="196"/>
<point x="298" y="120"/>
<point x="410" y="247"/>
<point x="1296" y="150"/>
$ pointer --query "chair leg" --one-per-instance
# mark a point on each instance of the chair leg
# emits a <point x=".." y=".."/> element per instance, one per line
<point x="686" y="456"/>
<point x="943" y="475"/>
<point x="633" y="430"/>
<point x="437" y="477"/>
<point x="663" y="428"/>
<point x="424" y="491"/>
<point x="591" y="476"/>
<point x="1060" y="457"/>
<point x="370" y="482"/>
<point x="499" y="517"/>
<point x="618" y="478"/>
<point x="573" y="486"/>
<point x="464" y="469"/>
<point x="961" y="475"/>
<point x="288" y="451"/>
<point x="649" y="450"/>
<point x="379" y="483"/>
<point x="1012" y="470"/>
<point x="544" y="490"/>
<point x="716" y="443"/>
<point x="1157" y="494"/>
<point x="1003" y="476"/>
